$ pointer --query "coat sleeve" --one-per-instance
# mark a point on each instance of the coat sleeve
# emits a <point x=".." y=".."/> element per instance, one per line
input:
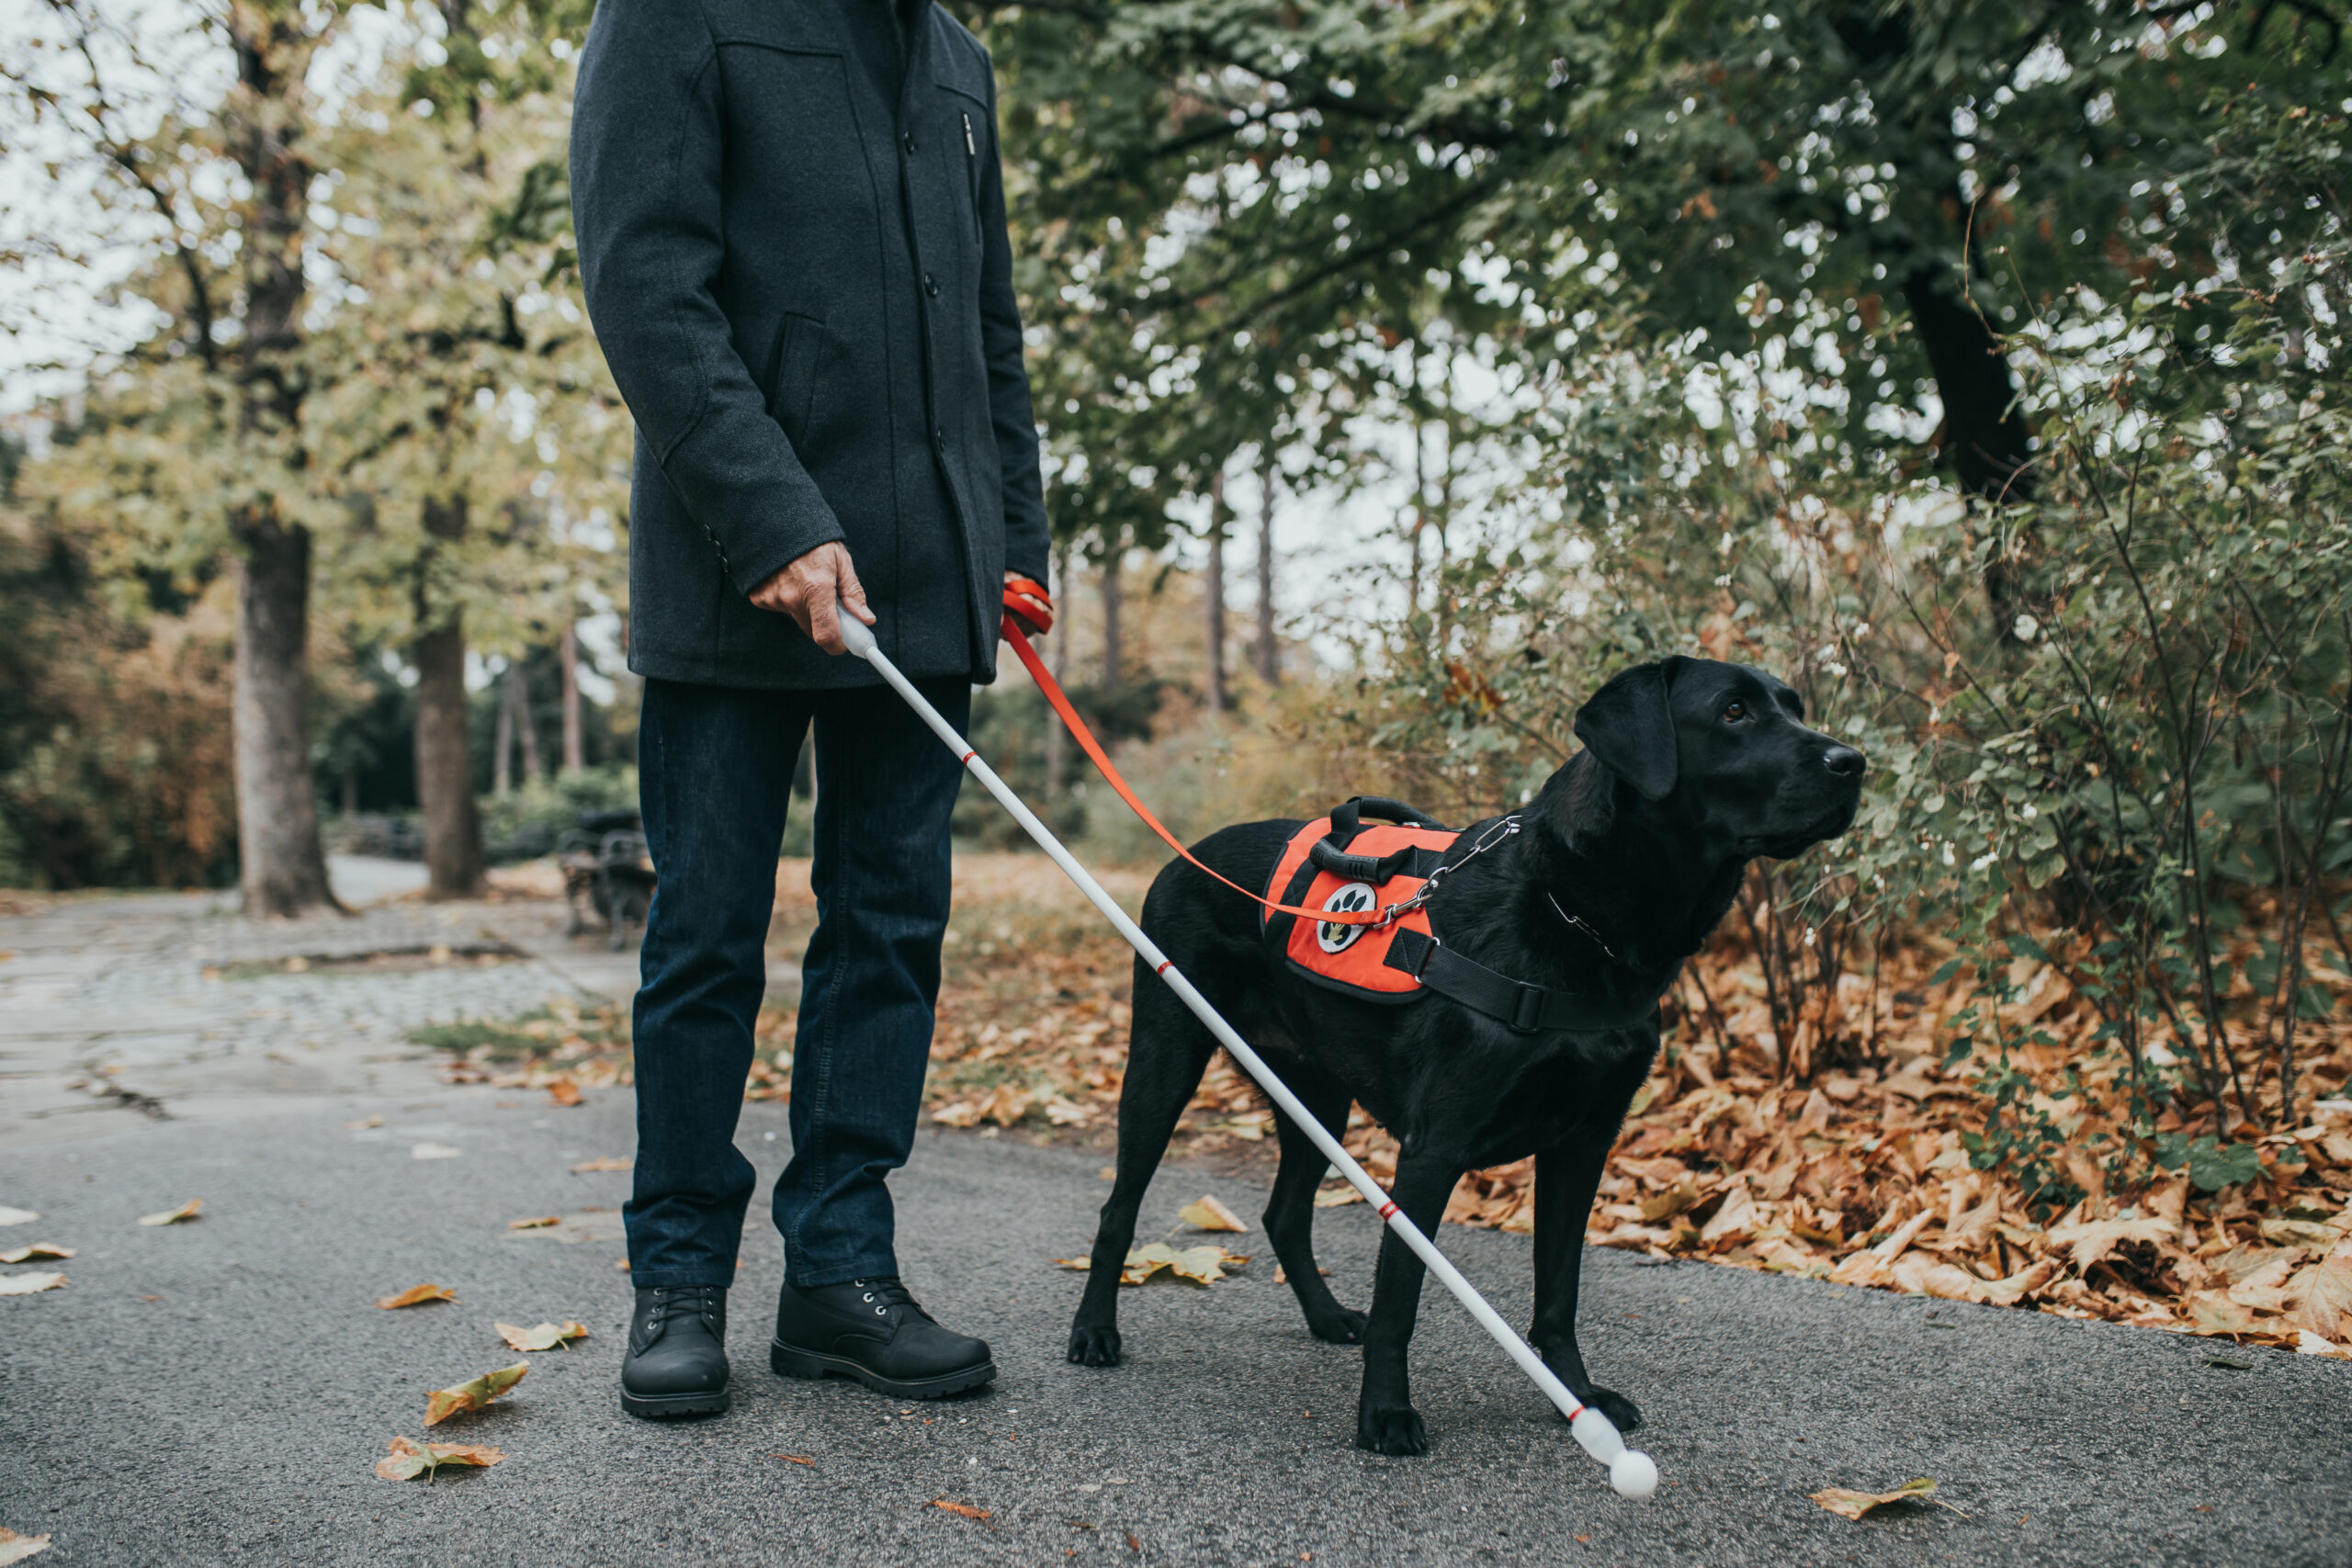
<point x="1026" y="546"/>
<point x="647" y="145"/>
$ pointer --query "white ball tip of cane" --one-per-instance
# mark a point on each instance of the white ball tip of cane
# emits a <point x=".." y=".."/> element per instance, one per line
<point x="1632" y="1474"/>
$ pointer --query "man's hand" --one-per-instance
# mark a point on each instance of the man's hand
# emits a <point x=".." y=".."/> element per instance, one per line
<point x="808" y="588"/>
<point x="1039" y="619"/>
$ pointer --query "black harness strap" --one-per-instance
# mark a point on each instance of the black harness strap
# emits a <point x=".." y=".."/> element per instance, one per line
<point x="1527" y="1008"/>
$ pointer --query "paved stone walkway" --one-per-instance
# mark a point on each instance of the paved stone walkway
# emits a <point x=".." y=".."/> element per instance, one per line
<point x="114" y="1009"/>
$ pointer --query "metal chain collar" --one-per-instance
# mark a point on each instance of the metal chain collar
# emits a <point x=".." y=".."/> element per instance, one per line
<point x="1501" y="830"/>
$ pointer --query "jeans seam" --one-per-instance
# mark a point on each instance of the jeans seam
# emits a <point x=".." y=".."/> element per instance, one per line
<point x="828" y="1040"/>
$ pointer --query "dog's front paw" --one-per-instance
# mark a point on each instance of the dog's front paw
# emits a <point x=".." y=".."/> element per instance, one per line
<point x="1340" y="1326"/>
<point x="1398" y="1432"/>
<point x="1094" y="1347"/>
<point x="1623" y="1413"/>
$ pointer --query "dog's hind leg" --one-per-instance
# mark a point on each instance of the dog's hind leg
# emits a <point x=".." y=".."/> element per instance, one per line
<point x="1386" y="1422"/>
<point x="1168" y="1049"/>
<point x="1290" y="1213"/>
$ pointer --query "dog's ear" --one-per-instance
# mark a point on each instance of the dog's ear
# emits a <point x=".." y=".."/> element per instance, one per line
<point x="1629" y="727"/>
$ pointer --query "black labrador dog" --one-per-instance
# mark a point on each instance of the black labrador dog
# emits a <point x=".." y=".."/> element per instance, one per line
<point x="1626" y="861"/>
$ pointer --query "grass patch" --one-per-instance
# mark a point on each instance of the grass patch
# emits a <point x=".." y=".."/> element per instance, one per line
<point x="479" y="1040"/>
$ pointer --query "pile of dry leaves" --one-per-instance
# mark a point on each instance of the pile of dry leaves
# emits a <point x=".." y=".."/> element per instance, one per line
<point x="1861" y="1176"/>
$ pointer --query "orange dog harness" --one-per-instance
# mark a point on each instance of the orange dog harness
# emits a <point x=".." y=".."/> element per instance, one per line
<point x="1339" y="864"/>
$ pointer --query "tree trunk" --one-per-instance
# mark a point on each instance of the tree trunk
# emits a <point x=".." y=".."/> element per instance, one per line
<point x="501" y="742"/>
<point x="444" y="769"/>
<point x="1985" y="436"/>
<point x="574" y="752"/>
<point x="1266" y="653"/>
<point x="282" y="866"/>
<point x="1213" y="596"/>
<point x="1112" y="653"/>
<point x="1056" y="742"/>
<point x="1420" y="479"/>
<point x="1441" y="602"/>
<point x="282" y="869"/>
<point x="525" y="730"/>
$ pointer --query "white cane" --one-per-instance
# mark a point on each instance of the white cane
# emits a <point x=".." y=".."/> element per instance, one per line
<point x="1631" y="1472"/>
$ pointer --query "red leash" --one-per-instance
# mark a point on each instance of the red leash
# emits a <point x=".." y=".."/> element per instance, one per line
<point x="1026" y="606"/>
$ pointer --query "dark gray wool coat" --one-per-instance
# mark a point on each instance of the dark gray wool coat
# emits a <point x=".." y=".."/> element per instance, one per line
<point x="805" y="291"/>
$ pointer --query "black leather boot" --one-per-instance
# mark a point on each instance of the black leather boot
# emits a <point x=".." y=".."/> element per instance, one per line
<point x="677" y="1363"/>
<point x="873" y="1330"/>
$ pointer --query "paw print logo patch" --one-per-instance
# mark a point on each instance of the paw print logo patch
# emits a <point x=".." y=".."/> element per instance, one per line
<point x="1349" y="898"/>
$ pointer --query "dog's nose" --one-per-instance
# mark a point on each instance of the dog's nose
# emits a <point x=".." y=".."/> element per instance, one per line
<point x="1843" y="760"/>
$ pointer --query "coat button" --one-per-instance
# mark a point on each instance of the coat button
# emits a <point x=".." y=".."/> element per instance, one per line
<point x="910" y="140"/>
<point x="930" y="286"/>
<point x="938" y="437"/>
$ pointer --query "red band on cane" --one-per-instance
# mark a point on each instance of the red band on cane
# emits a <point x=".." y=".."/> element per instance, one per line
<point x="1387" y="1208"/>
<point x="968" y="758"/>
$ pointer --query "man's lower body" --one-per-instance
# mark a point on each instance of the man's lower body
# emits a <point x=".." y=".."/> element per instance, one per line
<point x="715" y="768"/>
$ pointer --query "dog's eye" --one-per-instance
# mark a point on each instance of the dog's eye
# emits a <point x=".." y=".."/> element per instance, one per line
<point x="1735" y="712"/>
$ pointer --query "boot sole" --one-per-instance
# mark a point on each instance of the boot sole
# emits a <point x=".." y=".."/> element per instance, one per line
<point x="664" y="1406"/>
<point x="791" y="1361"/>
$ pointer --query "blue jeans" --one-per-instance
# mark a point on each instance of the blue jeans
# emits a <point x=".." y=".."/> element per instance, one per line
<point x="715" y="771"/>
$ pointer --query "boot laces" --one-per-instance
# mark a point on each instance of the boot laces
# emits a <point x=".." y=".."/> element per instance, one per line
<point x="679" y="1301"/>
<point x="886" y="1291"/>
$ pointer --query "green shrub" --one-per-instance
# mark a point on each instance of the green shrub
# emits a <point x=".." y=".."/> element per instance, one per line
<point x="2109" y="717"/>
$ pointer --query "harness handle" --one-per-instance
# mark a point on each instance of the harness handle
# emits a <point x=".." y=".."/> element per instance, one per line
<point x="1347" y="818"/>
<point x="1329" y="852"/>
<point x="1016" y="633"/>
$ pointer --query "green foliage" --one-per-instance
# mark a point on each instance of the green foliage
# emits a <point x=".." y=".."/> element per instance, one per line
<point x="2131" y="765"/>
<point x="1249" y="223"/>
<point x="2212" y="1165"/>
<point x="542" y="813"/>
<point x="114" y="744"/>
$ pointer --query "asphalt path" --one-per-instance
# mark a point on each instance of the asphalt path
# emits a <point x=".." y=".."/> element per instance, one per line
<point x="217" y="1392"/>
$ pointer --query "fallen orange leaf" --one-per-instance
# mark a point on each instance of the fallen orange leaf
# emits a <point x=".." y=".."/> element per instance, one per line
<point x="417" y="1295"/>
<point x="603" y="1162"/>
<point x="39" y="1252"/>
<point x="444" y="1403"/>
<point x="546" y="1337"/>
<point x="1208" y="1214"/>
<point x="796" y="1459"/>
<point x="15" y="1548"/>
<point x="1848" y="1504"/>
<point x="173" y="1216"/>
<point x="408" y="1460"/>
<point x="538" y="1223"/>
<point x="29" y="1284"/>
<point x="564" y="1092"/>
<point x="966" y="1509"/>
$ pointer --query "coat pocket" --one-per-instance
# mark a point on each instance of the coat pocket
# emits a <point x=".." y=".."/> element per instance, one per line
<point x="967" y="129"/>
<point x="791" y="377"/>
